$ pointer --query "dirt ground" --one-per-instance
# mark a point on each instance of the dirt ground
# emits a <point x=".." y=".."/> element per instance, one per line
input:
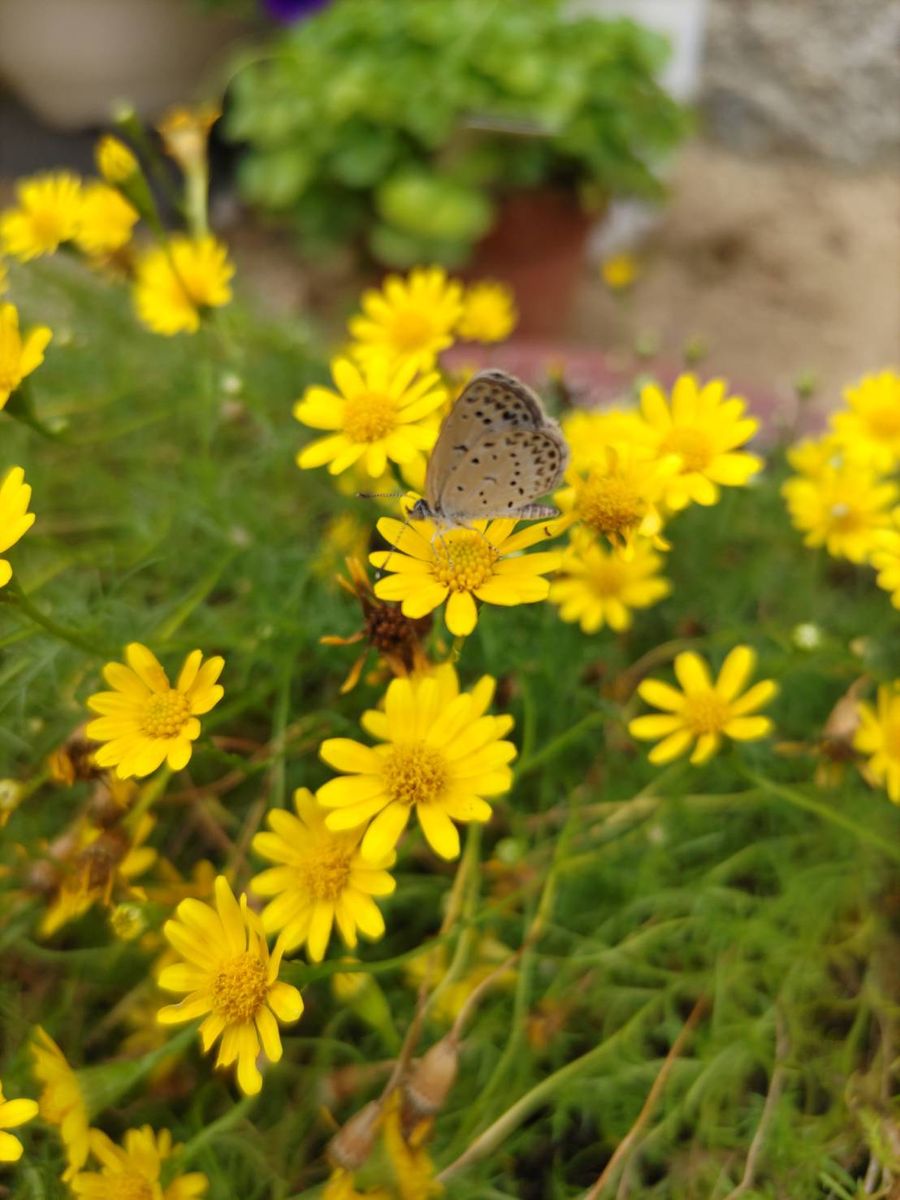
<point x="780" y="267"/>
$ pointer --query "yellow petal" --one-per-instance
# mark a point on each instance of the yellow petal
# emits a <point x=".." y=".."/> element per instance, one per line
<point x="655" y="726"/>
<point x="383" y="834"/>
<point x="692" y="672"/>
<point x="671" y="747"/>
<point x="748" y="729"/>
<point x="736" y="670"/>
<point x="707" y="745"/>
<point x="440" y="832"/>
<point x="661" y="695"/>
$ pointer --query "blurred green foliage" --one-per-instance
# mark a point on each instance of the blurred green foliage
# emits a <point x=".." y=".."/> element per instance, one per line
<point x="401" y="122"/>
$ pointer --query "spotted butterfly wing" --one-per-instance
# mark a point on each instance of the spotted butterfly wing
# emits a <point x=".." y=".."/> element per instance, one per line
<point x="497" y="451"/>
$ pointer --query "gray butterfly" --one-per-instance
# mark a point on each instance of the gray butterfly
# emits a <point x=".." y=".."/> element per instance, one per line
<point x="496" y="453"/>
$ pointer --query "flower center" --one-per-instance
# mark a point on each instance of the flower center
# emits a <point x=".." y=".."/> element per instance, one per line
<point x="240" y="987"/>
<point x="610" y="505"/>
<point x="130" y="1186"/>
<point x="692" y="444"/>
<point x="707" y="712"/>
<point x="165" y="714"/>
<point x="844" y="518"/>
<point x="48" y="226"/>
<point x="410" y="329"/>
<point x="607" y="578"/>
<point x="416" y="774"/>
<point x="326" y="876"/>
<point x="369" y="417"/>
<point x="464" y="561"/>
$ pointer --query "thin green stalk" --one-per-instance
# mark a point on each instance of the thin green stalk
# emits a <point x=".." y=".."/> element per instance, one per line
<point x="800" y="800"/>
<point x="14" y="595"/>
<point x="497" y="1133"/>
<point x="557" y="745"/>
<point x="231" y="1118"/>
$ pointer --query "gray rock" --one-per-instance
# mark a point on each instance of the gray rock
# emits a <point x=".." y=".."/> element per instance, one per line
<point x="819" y="77"/>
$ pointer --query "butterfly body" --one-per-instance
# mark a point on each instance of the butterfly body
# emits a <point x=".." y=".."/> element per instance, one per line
<point x="496" y="453"/>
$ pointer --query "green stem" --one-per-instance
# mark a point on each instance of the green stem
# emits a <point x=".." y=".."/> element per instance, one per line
<point x="497" y="1133"/>
<point x="196" y="189"/>
<point x="799" y="800"/>
<point x="466" y="899"/>
<point x="555" y="747"/>
<point x="235" y="1114"/>
<point x="15" y="596"/>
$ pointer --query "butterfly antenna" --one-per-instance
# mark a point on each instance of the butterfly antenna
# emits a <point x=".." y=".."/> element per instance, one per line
<point x="380" y="495"/>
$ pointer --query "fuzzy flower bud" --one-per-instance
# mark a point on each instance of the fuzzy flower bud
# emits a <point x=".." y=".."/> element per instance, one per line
<point x="432" y="1077"/>
<point x="353" y="1142"/>
<point x="115" y="161"/>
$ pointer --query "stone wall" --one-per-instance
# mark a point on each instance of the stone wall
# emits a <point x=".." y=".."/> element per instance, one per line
<point x="815" y="77"/>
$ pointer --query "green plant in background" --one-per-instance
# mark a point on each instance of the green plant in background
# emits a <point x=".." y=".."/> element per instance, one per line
<point x="401" y="124"/>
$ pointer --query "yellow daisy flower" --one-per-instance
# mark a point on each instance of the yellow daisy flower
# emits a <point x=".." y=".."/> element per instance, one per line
<point x="13" y="1113"/>
<point x="885" y="558"/>
<point x="132" y="1171"/>
<point x="18" y="356"/>
<point x="231" y="981"/>
<point x="105" y="219"/>
<point x="706" y="429"/>
<point x="878" y="736"/>
<point x="145" y="720"/>
<point x="871" y="424"/>
<point x="321" y="878"/>
<point x="379" y="412"/>
<point x="103" y="861"/>
<point x="843" y="508"/>
<point x="15" y="519"/>
<point x="619" y="272"/>
<point x="62" y="1102"/>
<point x="440" y="755"/>
<point x="812" y="456"/>
<point x="45" y="217"/>
<point x="589" y="432"/>
<point x="115" y="161"/>
<point x="485" y="562"/>
<point x="620" y="497"/>
<point x="174" y="284"/>
<point x="598" y="586"/>
<point x="489" y="313"/>
<point x="703" y="711"/>
<point x="409" y="320"/>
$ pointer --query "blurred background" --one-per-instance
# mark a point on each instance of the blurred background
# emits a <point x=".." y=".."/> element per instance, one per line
<point x="716" y="182"/>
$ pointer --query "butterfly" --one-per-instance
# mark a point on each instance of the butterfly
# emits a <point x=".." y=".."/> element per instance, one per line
<point x="497" y="451"/>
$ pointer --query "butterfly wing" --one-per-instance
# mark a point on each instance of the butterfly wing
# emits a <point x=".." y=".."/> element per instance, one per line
<point x="503" y="451"/>
<point x="490" y="402"/>
<point x="503" y="473"/>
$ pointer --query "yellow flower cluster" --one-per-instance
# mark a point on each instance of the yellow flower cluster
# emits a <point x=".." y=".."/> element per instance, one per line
<point x="177" y="280"/>
<point x="58" y="208"/>
<point x="845" y="493"/>
<point x="631" y="471"/>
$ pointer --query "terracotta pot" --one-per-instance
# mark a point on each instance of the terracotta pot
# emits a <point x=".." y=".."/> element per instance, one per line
<point x="71" y="60"/>
<point x="538" y="247"/>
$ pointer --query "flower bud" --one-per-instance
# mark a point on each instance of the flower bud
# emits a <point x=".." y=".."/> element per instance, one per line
<point x="115" y="161"/>
<point x="432" y="1076"/>
<point x="353" y="1142"/>
<point x="11" y="793"/>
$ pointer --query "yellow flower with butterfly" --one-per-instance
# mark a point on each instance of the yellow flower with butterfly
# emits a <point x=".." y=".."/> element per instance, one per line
<point x="497" y="452"/>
